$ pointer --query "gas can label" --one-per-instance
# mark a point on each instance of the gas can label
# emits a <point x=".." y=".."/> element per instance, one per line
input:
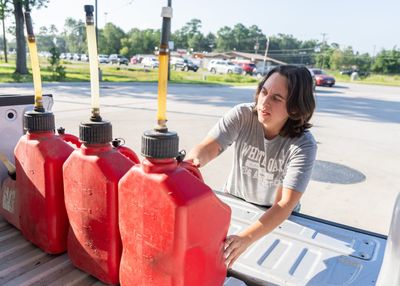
<point x="9" y="199"/>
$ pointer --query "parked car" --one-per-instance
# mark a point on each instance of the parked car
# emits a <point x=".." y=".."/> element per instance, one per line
<point x="223" y="66"/>
<point x="118" y="59"/>
<point x="103" y="59"/>
<point x="76" y="57"/>
<point x="150" y="62"/>
<point x="313" y="78"/>
<point x="247" y="68"/>
<point x="135" y="60"/>
<point x="84" y="58"/>
<point x="349" y="72"/>
<point x="185" y="65"/>
<point x="262" y="69"/>
<point x="322" y="78"/>
<point x="68" y="56"/>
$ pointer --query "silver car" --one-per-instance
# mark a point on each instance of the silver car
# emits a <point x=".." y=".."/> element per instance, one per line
<point x="223" y="66"/>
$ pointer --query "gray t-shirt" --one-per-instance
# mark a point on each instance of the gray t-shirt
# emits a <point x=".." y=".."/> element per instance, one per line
<point x="260" y="166"/>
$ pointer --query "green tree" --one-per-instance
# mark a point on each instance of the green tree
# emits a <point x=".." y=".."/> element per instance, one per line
<point x="57" y="71"/>
<point x="387" y="62"/>
<point x="111" y="39"/>
<point x="342" y="59"/>
<point x="180" y="39"/>
<point x="189" y="36"/>
<point x="74" y="35"/>
<point x="225" y="39"/>
<point x="4" y="10"/>
<point x="47" y="37"/>
<point x="18" y="5"/>
<point x="240" y="38"/>
<point x="285" y="48"/>
<point x="255" y="35"/>
<point x="209" y="42"/>
<point x="364" y="61"/>
<point x="140" y="42"/>
<point x="196" y="42"/>
<point x="306" y="52"/>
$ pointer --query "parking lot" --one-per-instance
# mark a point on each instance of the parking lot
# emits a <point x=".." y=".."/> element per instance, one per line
<point x="356" y="176"/>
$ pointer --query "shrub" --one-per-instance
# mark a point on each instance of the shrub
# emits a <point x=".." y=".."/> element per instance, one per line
<point x="57" y="70"/>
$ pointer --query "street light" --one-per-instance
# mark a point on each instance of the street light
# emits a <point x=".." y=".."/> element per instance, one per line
<point x="105" y="18"/>
<point x="266" y="53"/>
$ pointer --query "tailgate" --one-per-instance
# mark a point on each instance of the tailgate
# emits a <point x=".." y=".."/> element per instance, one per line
<point x="306" y="251"/>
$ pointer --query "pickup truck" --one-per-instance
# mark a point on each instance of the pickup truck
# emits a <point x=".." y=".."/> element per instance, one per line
<point x="303" y="250"/>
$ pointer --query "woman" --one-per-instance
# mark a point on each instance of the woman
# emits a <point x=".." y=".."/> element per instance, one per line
<point x="273" y="152"/>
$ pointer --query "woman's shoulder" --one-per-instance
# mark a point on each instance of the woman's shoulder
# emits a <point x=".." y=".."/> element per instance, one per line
<point x="304" y="140"/>
<point x="244" y="109"/>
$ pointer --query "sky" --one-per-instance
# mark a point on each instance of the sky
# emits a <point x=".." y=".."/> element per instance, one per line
<point x="368" y="26"/>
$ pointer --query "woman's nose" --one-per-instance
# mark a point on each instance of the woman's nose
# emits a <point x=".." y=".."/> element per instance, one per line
<point x="266" y="100"/>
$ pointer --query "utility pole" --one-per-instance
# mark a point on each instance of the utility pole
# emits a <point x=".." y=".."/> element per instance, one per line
<point x="105" y="18"/>
<point x="373" y="55"/>
<point x="256" y="47"/>
<point x="266" y="54"/>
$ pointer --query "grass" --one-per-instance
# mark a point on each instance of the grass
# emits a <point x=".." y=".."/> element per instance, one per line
<point x="79" y="72"/>
<point x="377" y="79"/>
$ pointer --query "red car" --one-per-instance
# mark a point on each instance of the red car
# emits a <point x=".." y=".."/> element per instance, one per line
<point x="248" y="68"/>
<point x="323" y="79"/>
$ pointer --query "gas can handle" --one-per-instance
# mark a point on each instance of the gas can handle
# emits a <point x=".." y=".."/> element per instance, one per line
<point x="188" y="165"/>
<point x="69" y="137"/>
<point x="130" y="154"/>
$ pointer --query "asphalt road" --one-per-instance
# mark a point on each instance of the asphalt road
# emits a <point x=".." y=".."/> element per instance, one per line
<point x="355" y="179"/>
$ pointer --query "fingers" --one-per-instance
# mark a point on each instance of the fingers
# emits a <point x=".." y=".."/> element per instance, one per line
<point x="232" y="257"/>
<point x="193" y="161"/>
<point x="234" y="247"/>
<point x="196" y="162"/>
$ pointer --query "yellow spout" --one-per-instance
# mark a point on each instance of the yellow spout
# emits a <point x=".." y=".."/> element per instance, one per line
<point x="10" y="166"/>
<point x="94" y="67"/>
<point x="162" y="89"/>
<point x="37" y="82"/>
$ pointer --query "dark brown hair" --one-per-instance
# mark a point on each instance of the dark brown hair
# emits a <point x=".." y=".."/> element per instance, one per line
<point x="300" y="103"/>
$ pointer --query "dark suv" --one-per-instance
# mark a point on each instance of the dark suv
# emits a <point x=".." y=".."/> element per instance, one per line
<point x="350" y="71"/>
<point x="185" y="65"/>
<point x="117" y="59"/>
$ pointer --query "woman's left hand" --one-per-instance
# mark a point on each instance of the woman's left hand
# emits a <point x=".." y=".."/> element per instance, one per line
<point x="234" y="246"/>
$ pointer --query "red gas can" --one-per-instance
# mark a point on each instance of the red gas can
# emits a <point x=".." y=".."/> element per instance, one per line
<point x="91" y="176"/>
<point x="172" y="224"/>
<point x="39" y="156"/>
<point x="9" y="202"/>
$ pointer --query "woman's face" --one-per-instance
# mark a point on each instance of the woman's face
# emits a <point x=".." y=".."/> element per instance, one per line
<point x="271" y="104"/>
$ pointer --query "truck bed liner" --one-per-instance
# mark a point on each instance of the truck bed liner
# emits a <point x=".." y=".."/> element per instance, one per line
<point x="306" y="251"/>
<point x="302" y="251"/>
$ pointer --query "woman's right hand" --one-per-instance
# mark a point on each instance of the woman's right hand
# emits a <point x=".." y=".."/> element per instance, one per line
<point x="235" y="245"/>
<point x="203" y="153"/>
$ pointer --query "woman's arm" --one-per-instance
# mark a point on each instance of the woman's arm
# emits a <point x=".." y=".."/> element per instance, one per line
<point x="285" y="201"/>
<point x="203" y="153"/>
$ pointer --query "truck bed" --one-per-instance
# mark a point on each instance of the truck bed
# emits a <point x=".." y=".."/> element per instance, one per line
<point x="302" y="251"/>
<point x="306" y="251"/>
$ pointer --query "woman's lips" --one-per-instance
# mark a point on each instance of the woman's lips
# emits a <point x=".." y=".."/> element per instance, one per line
<point x="264" y="112"/>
